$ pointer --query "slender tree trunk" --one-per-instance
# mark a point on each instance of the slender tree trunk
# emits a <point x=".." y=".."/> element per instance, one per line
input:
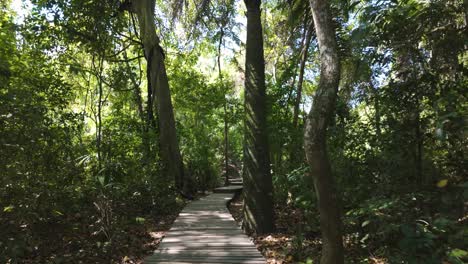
<point x="295" y="144"/>
<point x="150" y="120"/>
<point x="378" y="129"/>
<point x="419" y="143"/>
<point x="226" y="144"/>
<point x="304" y="55"/>
<point x="160" y="93"/>
<point x="315" y="135"/>
<point x="226" y="140"/>
<point x="98" y="73"/>
<point x="258" y="187"/>
<point x="145" y="124"/>
<point x="99" y="125"/>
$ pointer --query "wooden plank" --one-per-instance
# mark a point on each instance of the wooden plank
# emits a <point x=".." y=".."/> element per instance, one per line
<point x="203" y="241"/>
<point x="209" y="235"/>
<point x="208" y="259"/>
<point x="179" y="262"/>
<point x="209" y="232"/>
<point x="205" y="232"/>
<point x="228" y="189"/>
<point x="213" y="250"/>
<point x="195" y="228"/>
<point x="205" y="261"/>
<point x="207" y="254"/>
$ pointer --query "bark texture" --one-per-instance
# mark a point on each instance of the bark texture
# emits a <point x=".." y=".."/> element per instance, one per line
<point x="315" y="134"/>
<point x="169" y="146"/>
<point x="258" y="187"/>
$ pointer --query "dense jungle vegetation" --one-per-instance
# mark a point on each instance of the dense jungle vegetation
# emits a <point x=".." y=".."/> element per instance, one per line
<point x="346" y="120"/>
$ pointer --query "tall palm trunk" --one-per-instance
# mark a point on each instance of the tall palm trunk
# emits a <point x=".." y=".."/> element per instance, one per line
<point x="315" y="134"/>
<point x="258" y="187"/>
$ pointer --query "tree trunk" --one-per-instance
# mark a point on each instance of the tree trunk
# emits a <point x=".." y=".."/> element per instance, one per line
<point x="315" y="135"/>
<point x="378" y="129"/>
<point x="258" y="187"/>
<point x="304" y="55"/>
<point x="419" y="142"/>
<point x="161" y="95"/>
<point x="150" y="120"/>
<point x="145" y="124"/>
<point x="406" y="75"/>
<point x="296" y="142"/>
<point x="226" y="127"/>
<point x="226" y="144"/>
<point x="98" y="116"/>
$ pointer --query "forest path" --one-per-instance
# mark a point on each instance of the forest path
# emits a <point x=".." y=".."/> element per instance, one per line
<point x="205" y="232"/>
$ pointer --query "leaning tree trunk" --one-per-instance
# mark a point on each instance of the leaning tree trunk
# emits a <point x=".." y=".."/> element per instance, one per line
<point x="315" y="134"/>
<point x="169" y="146"/>
<point x="258" y="187"/>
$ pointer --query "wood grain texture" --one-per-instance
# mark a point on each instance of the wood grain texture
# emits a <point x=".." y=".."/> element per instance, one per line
<point x="205" y="232"/>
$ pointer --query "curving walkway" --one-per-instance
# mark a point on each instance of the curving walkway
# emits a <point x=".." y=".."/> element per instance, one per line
<point x="205" y="232"/>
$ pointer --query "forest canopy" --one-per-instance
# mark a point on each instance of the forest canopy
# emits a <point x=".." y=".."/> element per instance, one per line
<point x="346" y="120"/>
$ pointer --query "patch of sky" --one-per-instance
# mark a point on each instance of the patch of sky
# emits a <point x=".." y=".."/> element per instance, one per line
<point x="22" y="8"/>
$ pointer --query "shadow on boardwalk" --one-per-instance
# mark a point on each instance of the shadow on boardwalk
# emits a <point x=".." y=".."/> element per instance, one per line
<point x="205" y="232"/>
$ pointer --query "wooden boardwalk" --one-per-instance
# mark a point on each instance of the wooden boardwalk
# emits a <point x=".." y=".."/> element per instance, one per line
<point x="205" y="232"/>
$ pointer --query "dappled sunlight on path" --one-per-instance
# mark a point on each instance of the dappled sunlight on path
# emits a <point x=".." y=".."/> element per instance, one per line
<point x="205" y="232"/>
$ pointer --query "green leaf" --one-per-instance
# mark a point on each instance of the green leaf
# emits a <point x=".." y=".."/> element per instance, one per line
<point x="140" y="220"/>
<point x="365" y="223"/>
<point x="442" y="183"/>
<point x="8" y="208"/>
<point x="458" y="256"/>
<point x="363" y="240"/>
<point x="57" y="213"/>
<point x="101" y="180"/>
<point x="459" y="253"/>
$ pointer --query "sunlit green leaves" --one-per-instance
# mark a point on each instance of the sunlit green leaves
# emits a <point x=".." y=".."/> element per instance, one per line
<point x="8" y="209"/>
<point x="140" y="220"/>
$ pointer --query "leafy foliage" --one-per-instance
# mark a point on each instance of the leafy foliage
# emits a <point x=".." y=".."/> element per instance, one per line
<point x="79" y="160"/>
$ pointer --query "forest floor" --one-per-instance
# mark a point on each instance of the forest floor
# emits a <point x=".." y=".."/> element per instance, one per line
<point x="124" y="234"/>
<point x="285" y="246"/>
<point x="148" y="237"/>
<point x="281" y="247"/>
<point x="125" y="230"/>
